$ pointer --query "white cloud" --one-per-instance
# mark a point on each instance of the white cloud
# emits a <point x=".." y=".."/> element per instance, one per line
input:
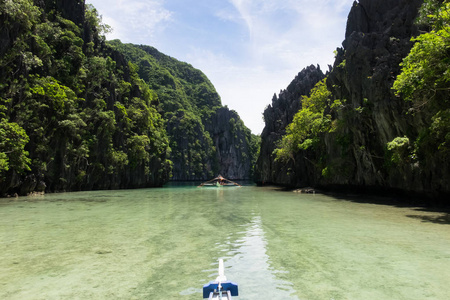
<point x="284" y="37"/>
<point x="133" y="21"/>
<point x="249" y="49"/>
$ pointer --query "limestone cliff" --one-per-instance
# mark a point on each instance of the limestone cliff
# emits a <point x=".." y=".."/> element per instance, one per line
<point x="206" y="138"/>
<point x="276" y="117"/>
<point x="73" y="114"/>
<point x="377" y="39"/>
<point x="369" y="114"/>
<point x="233" y="144"/>
<point x="80" y="113"/>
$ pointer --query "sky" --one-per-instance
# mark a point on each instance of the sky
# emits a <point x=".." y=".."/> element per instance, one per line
<point x="249" y="49"/>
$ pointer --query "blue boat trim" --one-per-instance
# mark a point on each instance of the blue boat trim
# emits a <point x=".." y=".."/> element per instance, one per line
<point x="213" y="286"/>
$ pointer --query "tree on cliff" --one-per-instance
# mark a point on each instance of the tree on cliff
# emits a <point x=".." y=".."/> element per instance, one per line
<point x="425" y="73"/>
<point x="73" y="112"/>
<point x="12" y="153"/>
<point x="206" y="138"/>
<point x="308" y="125"/>
<point x="425" y="79"/>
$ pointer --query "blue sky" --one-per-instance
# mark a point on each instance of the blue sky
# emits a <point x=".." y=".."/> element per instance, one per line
<point x="249" y="49"/>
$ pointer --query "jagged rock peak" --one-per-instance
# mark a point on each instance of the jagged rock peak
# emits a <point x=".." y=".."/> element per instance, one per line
<point x="387" y="17"/>
<point x="278" y="115"/>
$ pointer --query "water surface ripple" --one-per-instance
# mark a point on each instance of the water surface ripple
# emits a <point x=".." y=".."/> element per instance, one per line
<point x="165" y="244"/>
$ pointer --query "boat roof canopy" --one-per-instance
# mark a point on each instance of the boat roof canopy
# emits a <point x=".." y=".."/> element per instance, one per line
<point x="221" y="180"/>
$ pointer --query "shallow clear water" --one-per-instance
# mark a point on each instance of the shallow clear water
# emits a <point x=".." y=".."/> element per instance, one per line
<point x="165" y="244"/>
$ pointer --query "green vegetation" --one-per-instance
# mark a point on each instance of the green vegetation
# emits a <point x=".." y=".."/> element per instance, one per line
<point x="71" y="113"/>
<point x="187" y="98"/>
<point x="425" y="81"/>
<point x="425" y="75"/>
<point x="190" y="104"/>
<point x="12" y="144"/>
<point x="178" y="84"/>
<point x="308" y="125"/>
<point x="398" y="151"/>
<point x="77" y="112"/>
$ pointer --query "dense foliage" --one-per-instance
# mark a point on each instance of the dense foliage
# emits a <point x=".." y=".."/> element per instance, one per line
<point x="186" y="96"/>
<point x="308" y="126"/>
<point x="353" y="129"/>
<point x="73" y="113"/>
<point x="191" y="106"/>
<point x="425" y="82"/>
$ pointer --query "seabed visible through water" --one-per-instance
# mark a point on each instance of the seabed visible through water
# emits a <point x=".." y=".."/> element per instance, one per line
<point x="165" y="244"/>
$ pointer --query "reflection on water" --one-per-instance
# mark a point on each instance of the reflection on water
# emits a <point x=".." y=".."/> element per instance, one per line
<point x="165" y="244"/>
<point x="249" y="265"/>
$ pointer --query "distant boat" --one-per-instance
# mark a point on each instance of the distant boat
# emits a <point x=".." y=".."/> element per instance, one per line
<point x="218" y="182"/>
<point x="220" y="288"/>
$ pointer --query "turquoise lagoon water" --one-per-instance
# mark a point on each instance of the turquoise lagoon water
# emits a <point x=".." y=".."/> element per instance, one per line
<point x="165" y="244"/>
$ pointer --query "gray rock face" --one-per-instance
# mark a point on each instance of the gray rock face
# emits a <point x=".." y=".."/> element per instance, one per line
<point x="231" y="141"/>
<point x="229" y="153"/>
<point x="277" y="116"/>
<point x="377" y="38"/>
